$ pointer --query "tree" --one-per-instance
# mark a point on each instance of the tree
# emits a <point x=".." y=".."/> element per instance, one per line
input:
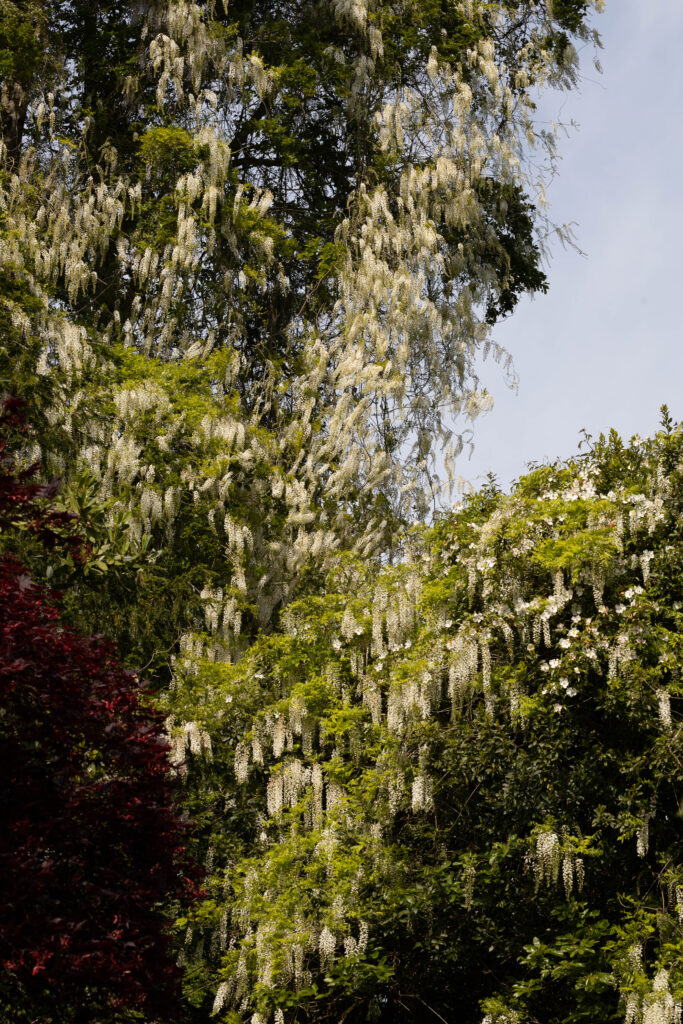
<point x="91" y="843"/>
<point x="250" y="258"/>
<point x="459" y="777"/>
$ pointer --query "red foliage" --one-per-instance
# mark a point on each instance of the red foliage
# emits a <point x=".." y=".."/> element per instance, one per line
<point x="90" y="839"/>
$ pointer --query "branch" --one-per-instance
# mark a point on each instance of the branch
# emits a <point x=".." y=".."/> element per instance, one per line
<point x="242" y="133"/>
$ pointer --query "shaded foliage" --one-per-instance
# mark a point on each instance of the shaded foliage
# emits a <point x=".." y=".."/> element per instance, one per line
<point x="91" y="842"/>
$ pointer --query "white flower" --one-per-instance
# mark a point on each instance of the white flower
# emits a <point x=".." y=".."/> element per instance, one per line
<point x="242" y="762"/>
<point x="643" y="838"/>
<point x="565" y="643"/>
<point x="221" y="996"/>
<point x="421" y="793"/>
<point x="326" y="946"/>
<point x="664" y="708"/>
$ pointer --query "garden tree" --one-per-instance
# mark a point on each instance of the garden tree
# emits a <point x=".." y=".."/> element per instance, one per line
<point x="92" y="848"/>
<point x="250" y="255"/>
<point x="455" y="781"/>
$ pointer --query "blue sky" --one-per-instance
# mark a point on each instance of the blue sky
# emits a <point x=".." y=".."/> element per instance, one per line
<point x="603" y="347"/>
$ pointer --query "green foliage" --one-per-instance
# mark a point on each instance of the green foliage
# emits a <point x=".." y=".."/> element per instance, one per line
<point x="249" y="256"/>
<point x="20" y="45"/>
<point x="471" y="763"/>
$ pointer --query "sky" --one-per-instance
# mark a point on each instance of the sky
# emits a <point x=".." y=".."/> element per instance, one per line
<point x="604" y="347"/>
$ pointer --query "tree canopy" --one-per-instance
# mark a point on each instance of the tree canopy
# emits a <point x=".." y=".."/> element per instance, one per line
<point x="251" y="256"/>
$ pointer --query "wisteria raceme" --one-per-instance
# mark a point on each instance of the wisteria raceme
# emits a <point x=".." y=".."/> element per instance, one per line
<point x="664" y="708"/>
<point x="327" y="945"/>
<point x="548" y="857"/>
<point x="643" y="837"/>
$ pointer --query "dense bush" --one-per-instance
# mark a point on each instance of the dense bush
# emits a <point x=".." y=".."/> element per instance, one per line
<point x="91" y="844"/>
<point x="455" y="782"/>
